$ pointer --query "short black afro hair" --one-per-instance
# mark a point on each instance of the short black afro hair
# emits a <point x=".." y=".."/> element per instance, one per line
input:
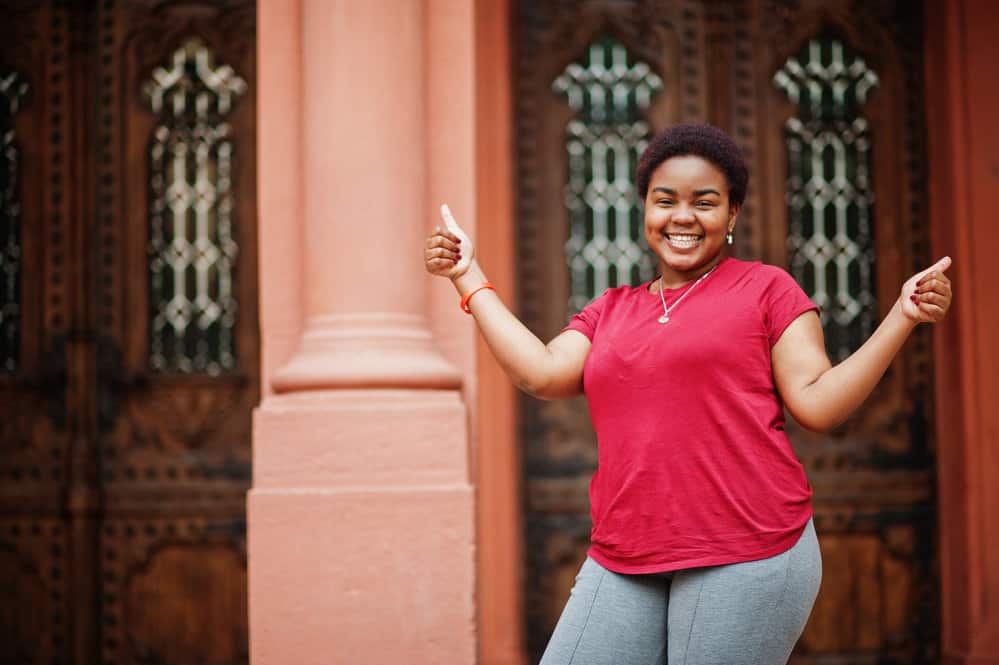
<point x="701" y="140"/>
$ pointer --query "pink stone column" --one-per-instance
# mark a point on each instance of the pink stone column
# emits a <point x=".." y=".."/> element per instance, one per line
<point x="365" y="208"/>
<point x="361" y="515"/>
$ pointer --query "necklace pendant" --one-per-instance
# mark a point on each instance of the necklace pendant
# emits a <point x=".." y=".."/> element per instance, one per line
<point x="663" y="319"/>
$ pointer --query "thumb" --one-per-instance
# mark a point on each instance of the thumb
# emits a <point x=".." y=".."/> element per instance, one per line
<point x="452" y="225"/>
<point x="939" y="266"/>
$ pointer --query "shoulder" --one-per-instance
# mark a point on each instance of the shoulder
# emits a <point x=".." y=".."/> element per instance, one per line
<point x="617" y="294"/>
<point x="604" y="307"/>
<point x="756" y="269"/>
<point x="761" y="275"/>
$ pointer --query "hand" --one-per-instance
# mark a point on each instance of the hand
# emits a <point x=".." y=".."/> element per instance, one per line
<point x="448" y="251"/>
<point x="926" y="296"/>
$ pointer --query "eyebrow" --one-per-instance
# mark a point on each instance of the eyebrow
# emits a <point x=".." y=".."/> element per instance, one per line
<point x="697" y="192"/>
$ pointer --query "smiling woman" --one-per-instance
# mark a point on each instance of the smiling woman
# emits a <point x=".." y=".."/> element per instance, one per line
<point x="702" y="547"/>
<point x="688" y="216"/>
<point x="693" y="180"/>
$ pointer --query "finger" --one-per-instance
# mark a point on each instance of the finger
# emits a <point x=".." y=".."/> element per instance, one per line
<point x="443" y="253"/>
<point x="928" y="283"/>
<point x="934" y="283"/>
<point x="937" y="287"/>
<point x="932" y="298"/>
<point x="448" y="219"/>
<point x="439" y="234"/>
<point x="940" y="266"/>
<point x="451" y="224"/>
<point x="440" y="265"/>
<point x="933" y="312"/>
<point x="463" y="237"/>
<point x="441" y="241"/>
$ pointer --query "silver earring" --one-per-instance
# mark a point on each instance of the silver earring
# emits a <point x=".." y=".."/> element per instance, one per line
<point x="729" y="238"/>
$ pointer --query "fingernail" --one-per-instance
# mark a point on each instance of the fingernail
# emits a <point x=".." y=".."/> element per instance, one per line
<point x="913" y="298"/>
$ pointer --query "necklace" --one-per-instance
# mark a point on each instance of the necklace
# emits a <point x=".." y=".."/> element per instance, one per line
<point x="665" y="317"/>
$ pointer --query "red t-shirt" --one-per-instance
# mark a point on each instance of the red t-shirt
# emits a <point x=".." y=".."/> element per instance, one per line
<point x="694" y="467"/>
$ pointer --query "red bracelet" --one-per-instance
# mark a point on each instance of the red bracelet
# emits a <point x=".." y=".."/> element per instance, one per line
<point x="468" y="296"/>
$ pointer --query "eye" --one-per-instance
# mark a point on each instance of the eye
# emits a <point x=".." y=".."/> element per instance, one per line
<point x="705" y="204"/>
<point x="664" y="202"/>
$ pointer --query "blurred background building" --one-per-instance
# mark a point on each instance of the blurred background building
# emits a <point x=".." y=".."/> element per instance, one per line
<point x="239" y="422"/>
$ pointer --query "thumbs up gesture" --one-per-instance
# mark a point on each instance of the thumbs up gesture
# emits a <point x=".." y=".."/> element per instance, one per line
<point x="448" y="251"/>
<point x="926" y="296"/>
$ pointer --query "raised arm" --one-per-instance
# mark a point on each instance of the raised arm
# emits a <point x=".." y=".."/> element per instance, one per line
<point x="820" y="396"/>
<point x="546" y="371"/>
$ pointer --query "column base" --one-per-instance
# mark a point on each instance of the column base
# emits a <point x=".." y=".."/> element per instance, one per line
<point x="364" y="576"/>
<point x="366" y="351"/>
<point x="361" y="529"/>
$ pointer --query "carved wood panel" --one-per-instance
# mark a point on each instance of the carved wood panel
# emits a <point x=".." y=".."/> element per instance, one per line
<point x="122" y="505"/>
<point x="873" y="476"/>
<point x="35" y="429"/>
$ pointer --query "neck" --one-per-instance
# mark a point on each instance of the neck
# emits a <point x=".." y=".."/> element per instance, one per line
<point x="674" y="279"/>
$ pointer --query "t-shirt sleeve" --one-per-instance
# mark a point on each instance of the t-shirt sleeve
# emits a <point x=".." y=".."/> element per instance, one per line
<point x="586" y="321"/>
<point x="783" y="301"/>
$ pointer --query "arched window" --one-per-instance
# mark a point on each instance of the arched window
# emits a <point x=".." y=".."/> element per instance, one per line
<point x="192" y="232"/>
<point x="603" y="142"/>
<point x="830" y="198"/>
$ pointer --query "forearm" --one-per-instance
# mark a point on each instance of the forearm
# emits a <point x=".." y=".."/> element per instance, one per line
<point x="524" y="357"/>
<point x="838" y="391"/>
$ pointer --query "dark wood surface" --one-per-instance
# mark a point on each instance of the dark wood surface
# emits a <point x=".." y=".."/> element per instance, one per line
<point x="873" y="476"/>
<point x="122" y="504"/>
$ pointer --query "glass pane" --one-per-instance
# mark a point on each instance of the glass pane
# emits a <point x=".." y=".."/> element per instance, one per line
<point x="13" y="91"/>
<point x="192" y="235"/>
<point x="608" y="94"/>
<point x="830" y="198"/>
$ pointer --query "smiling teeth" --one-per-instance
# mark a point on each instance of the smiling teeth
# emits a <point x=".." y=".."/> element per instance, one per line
<point x="683" y="240"/>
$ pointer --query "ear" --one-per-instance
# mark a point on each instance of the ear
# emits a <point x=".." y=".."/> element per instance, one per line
<point x="733" y="214"/>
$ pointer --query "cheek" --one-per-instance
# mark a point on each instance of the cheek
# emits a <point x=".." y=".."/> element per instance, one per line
<point x="653" y="220"/>
<point x="651" y="230"/>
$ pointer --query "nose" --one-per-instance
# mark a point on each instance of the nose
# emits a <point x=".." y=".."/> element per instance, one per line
<point x="683" y="213"/>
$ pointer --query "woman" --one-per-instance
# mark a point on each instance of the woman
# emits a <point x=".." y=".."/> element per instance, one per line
<point x="702" y="548"/>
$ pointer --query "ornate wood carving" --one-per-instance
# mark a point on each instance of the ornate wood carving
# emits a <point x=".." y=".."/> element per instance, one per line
<point x="34" y="561"/>
<point x="873" y="476"/>
<point x="175" y="453"/>
<point x="174" y="591"/>
<point x="34" y="440"/>
<point x="117" y="482"/>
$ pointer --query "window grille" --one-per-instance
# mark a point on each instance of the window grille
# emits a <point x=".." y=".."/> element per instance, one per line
<point x="13" y="91"/>
<point x="603" y="142"/>
<point x="830" y="197"/>
<point x="193" y="246"/>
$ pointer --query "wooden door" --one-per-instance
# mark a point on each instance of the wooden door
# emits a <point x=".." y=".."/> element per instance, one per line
<point x="826" y="100"/>
<point x="129" y="327"/>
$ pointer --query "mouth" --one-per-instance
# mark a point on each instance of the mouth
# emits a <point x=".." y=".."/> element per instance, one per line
<point x="683" y="240"/>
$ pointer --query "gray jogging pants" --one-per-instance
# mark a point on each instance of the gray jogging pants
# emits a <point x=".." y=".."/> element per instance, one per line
<point x="740" y="614"/>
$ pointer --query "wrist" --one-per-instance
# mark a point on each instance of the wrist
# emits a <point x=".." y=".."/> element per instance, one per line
<point x="470" y="279"/>
<point x="898" y="315"/>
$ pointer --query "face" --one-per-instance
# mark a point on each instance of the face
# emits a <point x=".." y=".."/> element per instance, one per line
<point x="687" y="215"/>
